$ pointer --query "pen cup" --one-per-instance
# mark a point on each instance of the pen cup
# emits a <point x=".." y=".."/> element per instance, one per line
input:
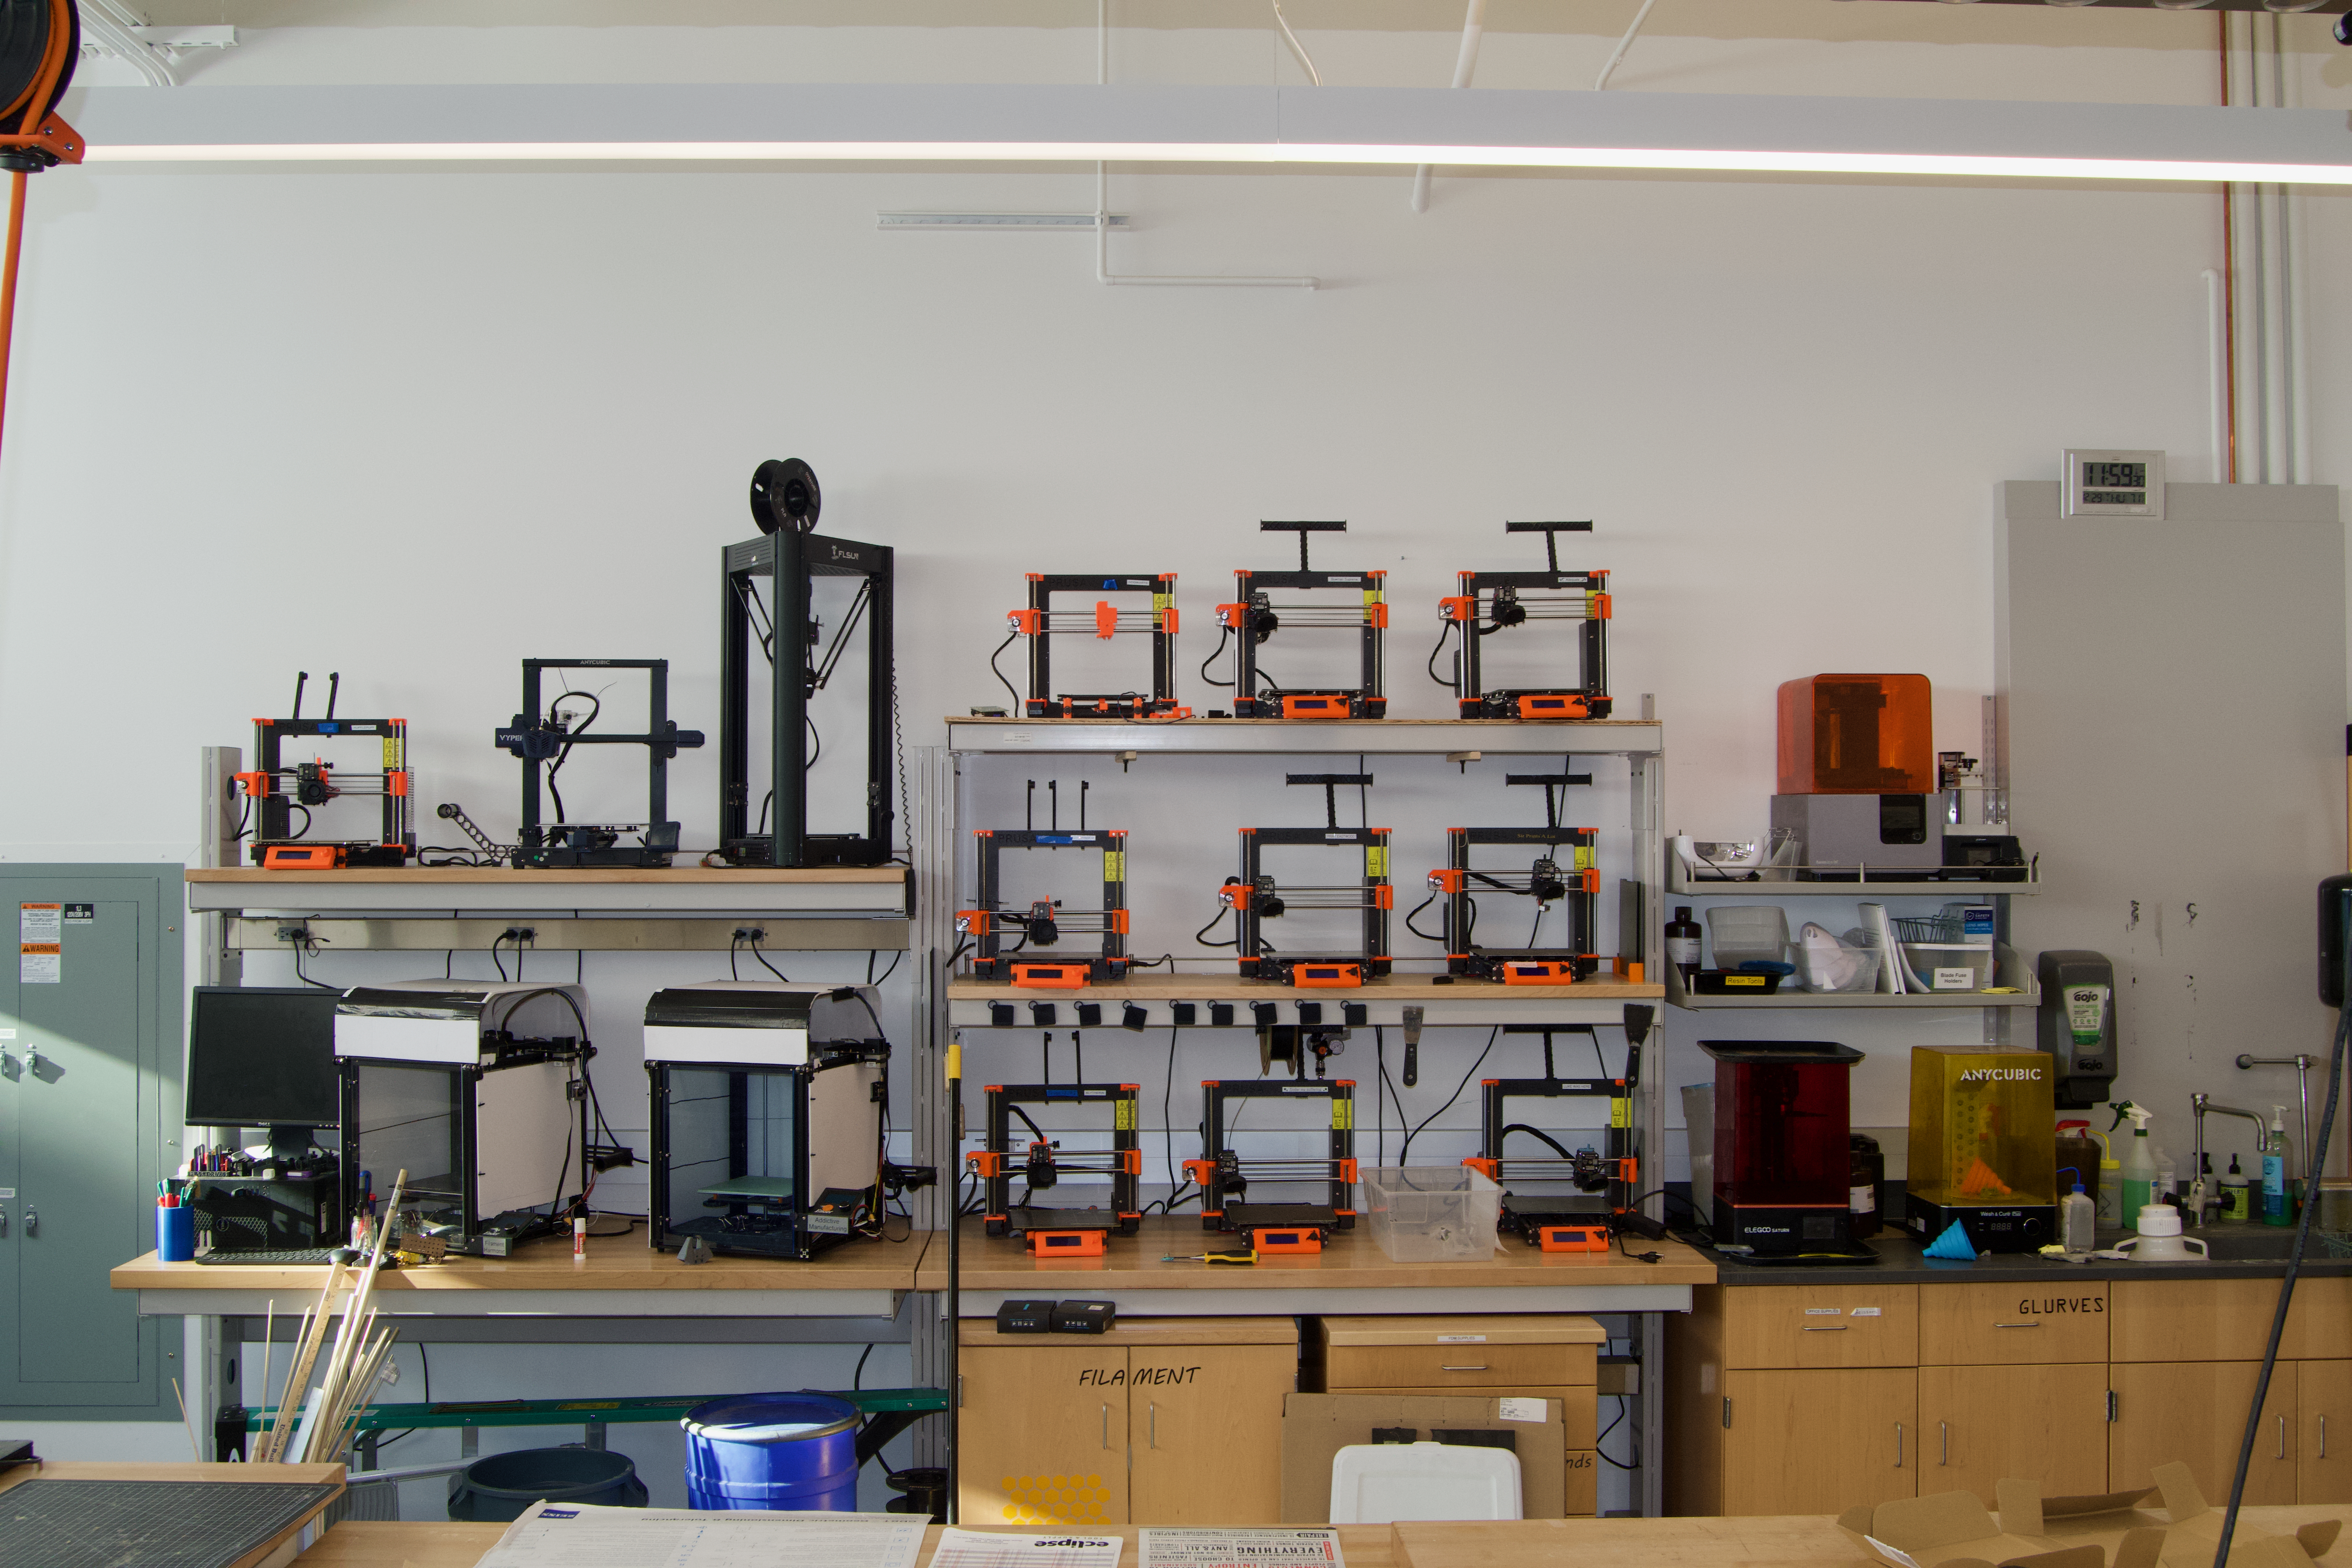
<point x="175" y="1234"/>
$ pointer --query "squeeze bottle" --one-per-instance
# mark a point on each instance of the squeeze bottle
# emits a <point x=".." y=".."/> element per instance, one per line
<point x="2139" y="1161"/>
<point x="2078" y="1221"/>
<point x="2275" y="1209"/>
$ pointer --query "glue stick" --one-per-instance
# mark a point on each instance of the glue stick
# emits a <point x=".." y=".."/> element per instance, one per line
<point x="579" y="1237"/>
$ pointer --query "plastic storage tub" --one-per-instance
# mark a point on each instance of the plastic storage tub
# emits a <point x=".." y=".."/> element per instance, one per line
<point x="1431" y="1214"/>
<point x="1744" y="934"/>
<point x="796" y="1452"/>
<point x="1940" y="965"/>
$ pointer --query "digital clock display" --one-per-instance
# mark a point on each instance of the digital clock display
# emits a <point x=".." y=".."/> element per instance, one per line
<point x="2115" y="497"/>
<point x="2111" y="482"/>
<point x="2114" y="476"/>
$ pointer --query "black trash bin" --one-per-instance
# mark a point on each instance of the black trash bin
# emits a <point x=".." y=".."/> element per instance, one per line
<point x="499" y="1487"/>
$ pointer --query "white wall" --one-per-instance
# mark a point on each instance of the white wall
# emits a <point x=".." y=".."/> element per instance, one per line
<point x="416" y="426"/>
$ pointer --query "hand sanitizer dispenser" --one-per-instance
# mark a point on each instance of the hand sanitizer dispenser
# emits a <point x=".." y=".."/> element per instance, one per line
<point x="2076" y="1025"/>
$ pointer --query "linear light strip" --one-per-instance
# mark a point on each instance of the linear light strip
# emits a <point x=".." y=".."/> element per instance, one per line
<point x="1727" y="161"/>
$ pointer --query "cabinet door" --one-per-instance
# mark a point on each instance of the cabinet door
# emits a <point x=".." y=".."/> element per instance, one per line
<point x="1981" y="1424"/>
<point x="2323" y="1398"/>
<point x="2195" y="1412"/>
<point x="1204" y="1424"/>
<point x="1044" y="1434"/>
<point x="1818" y="1442"/>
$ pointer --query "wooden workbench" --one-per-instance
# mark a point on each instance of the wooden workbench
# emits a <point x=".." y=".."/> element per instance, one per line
<point x="1792" y="1542"/>
<point x="275" y="1550"/>
<point x="621" y="1276"/>
<point x="1350" y="1276"/>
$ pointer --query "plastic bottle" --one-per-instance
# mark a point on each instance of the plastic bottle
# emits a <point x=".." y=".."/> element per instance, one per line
<point x="2167" y="1178"/>
<point x="1682" y="942"/>
<point x="2234" y="1195"/>
<point x="2208" y="1194"/>
<point x="2139" y="1173"/>
<point x="2276" y="1208"/>
<point x="2078" y="1221"/>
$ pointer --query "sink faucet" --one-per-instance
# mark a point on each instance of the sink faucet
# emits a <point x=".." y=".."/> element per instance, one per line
<point x="2201" y="1104"/>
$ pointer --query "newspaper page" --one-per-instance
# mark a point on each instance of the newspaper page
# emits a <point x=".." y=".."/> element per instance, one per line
<point x="1316" y="1547"/>
<point x="972" y="1549"/>
<point x="576" y="1535"/>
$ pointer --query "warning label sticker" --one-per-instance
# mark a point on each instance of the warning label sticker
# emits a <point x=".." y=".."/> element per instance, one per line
<point x="40" y="936"/>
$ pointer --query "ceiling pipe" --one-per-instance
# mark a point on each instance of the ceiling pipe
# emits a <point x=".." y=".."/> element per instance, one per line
<point x="1473" y="28"/>
<point x="1624" y="44"/>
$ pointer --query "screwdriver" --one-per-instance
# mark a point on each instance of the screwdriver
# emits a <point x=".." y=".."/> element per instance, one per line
<point x="1238" y="1258"/>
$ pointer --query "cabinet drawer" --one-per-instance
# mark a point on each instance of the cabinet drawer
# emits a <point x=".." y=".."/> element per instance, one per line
<point x="2011" y="1325"/>
<point x="1768" y="1327"/>
<point x="2227" y="1320"/>
<point x="1445" y="1369"/>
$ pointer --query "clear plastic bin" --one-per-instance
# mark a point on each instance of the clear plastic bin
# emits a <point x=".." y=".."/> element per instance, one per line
<point x="1743" y="933"/>
<point x="1431" y="1214"/>
<point x="1937" y="965"/>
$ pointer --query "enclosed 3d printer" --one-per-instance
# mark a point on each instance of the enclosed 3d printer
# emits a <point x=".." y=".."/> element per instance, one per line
<point x="770" y="1106"/>
<point x="477" y="1091"/>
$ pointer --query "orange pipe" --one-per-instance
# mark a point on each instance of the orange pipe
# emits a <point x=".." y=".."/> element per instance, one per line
<point x="8" y="284"/>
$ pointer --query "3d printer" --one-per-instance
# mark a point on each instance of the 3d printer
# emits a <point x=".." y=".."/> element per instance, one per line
<point x="1040" y="623"/>
<point x="1043" y="922"/>
<point x="770" y="1107"/>
<point x="479" y="1091"/>
<point x="544" y="742"/>
<point x="1255" y="616"/>
<point x="1224" y="1177"/>
<point x="1601" y="1183"/>
<point x="1255" y="896"/>
<point x="1492" y="602"/>
<point x="1042" y="1165"/>
<point x="1575" y="887"/>
<point x="275" y="791"/>
<point x="768" y="603"/>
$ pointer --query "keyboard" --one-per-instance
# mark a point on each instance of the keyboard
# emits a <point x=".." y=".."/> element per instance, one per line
<point x="294" y="1255"/>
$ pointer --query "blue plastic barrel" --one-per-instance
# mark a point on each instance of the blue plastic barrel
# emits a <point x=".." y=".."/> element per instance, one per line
<point x="791" y="1451"/>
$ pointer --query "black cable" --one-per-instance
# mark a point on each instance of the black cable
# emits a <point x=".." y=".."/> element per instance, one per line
<point x="1224" y="636"/>
<point x="857" y="1378"/>
<point x="733" y="945"/>
<point x="1018" y="705"/>
<point x="1202" y="936"/>
<point x="2314" y="1160"/>
<point x="1540" y="1136"/>
<point x="816" y="752"/>
<point x="1416" y="930"/>
<point x="1379" y="1082"/>
<point x="892" y="969"/>
<point x="501" y="962"/>
<point x="1623" y="1405"/>
<point x="766" y="965"/>
<point x="305" y="810"/>
<point x="1036" y="1132"/>
<point x="596" y="706"/>
<point x="298" y="948"/>
<point x="1404" y="1151"/>
<point x="1167" y="1131"/>
<point x="1432" y="664"/>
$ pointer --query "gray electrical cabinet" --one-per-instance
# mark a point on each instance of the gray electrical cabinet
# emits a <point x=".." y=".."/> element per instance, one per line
<point x="89" y="1075"/>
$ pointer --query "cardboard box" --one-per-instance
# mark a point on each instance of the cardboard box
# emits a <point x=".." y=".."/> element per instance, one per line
<point x="1955" y="1530"/>
<point x="2196" y="1531"/>
<point x="1315" y="1426"/>
<point x="1583" y="1487"/>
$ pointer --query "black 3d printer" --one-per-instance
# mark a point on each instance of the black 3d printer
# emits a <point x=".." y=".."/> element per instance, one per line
<point x="1041" y="1166"/>
<point x="1601" y="1183"/>
<point x="276" y="790"/>
<point x="1575" y="887"/>
<point x="1255" y="896"/>
<point x="544" y="742"/>
<point x="1043" y="922"/>
<point x="1040" y="623"/>
<point x="1492" y="602"/>
<point x="1255" y="616"/>
<point x="770" y="1108"/>
<point x="767" y="588"/>
<point x="1224" y="1177"/>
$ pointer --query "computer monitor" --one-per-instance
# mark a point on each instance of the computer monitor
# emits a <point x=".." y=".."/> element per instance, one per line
<point x="263" y="1056"/>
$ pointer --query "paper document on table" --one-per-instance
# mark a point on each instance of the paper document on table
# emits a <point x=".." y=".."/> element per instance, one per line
<point x="1265" y="1548"/>
<point x="577" y="1535"/>
<point x="971" y="1549"/>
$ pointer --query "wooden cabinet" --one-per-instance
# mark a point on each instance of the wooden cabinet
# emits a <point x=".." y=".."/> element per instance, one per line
<point x="1980" y="1425"/>
<point x="2228" y="1319"/>
<point x="2194" y="1412"/>
<point x="2013" y="1325"/>
<point x="1818" y="1442"/>
<point x="1822" y="1326"/>
<point x="1526" y="1357"/>
<point x="1161" y="1421"/>
<point x="2322" y="1408"/>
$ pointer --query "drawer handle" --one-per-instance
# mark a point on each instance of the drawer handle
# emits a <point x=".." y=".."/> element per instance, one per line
<point x="1825" y="1328"/>
<point x="1944" y="1433"/>
<point x="2017" y="1325"/>
<point x="1480" y="1367"/>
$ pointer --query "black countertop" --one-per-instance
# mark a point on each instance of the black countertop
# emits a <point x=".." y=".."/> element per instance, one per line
<point x="2242" y="1252"/>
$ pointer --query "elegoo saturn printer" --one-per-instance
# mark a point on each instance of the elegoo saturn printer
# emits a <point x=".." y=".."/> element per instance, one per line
<point x="769" y="1112"/>
<point x="478" y="1089"/>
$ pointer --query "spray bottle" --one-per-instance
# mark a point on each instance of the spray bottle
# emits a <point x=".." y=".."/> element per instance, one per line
<point x="2276" y="1210"/>
<point x="2139" y="1175"/>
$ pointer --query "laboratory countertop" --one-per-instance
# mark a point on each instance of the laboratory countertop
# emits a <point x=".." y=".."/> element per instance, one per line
<point x="1797" y="1542"/>
<point x="1349" y="1260"/>
<point x="2242" y="1252"/>
<point x="613" y="1263"/>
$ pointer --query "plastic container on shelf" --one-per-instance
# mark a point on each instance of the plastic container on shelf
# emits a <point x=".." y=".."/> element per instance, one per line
<point x="1744" y="934"/>
<point x="1857" y="734"/>
<point x="1949" y="966"/>
<point x="1431" y="1214"/>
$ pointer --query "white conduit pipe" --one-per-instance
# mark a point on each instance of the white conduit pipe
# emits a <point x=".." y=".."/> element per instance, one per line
<point x="1296" y="48"/>
<point x="2217" y="378"/>
<point x="1622" y="45"/>
<point x="1473" y="28"/>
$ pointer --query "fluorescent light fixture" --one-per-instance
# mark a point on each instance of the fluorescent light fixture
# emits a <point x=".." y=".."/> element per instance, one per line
<point x="1302" y="127"/>
<point x="1084" y="223"/>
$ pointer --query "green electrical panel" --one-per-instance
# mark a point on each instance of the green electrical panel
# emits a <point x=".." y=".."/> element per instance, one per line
<point x="90" y="1121"/>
